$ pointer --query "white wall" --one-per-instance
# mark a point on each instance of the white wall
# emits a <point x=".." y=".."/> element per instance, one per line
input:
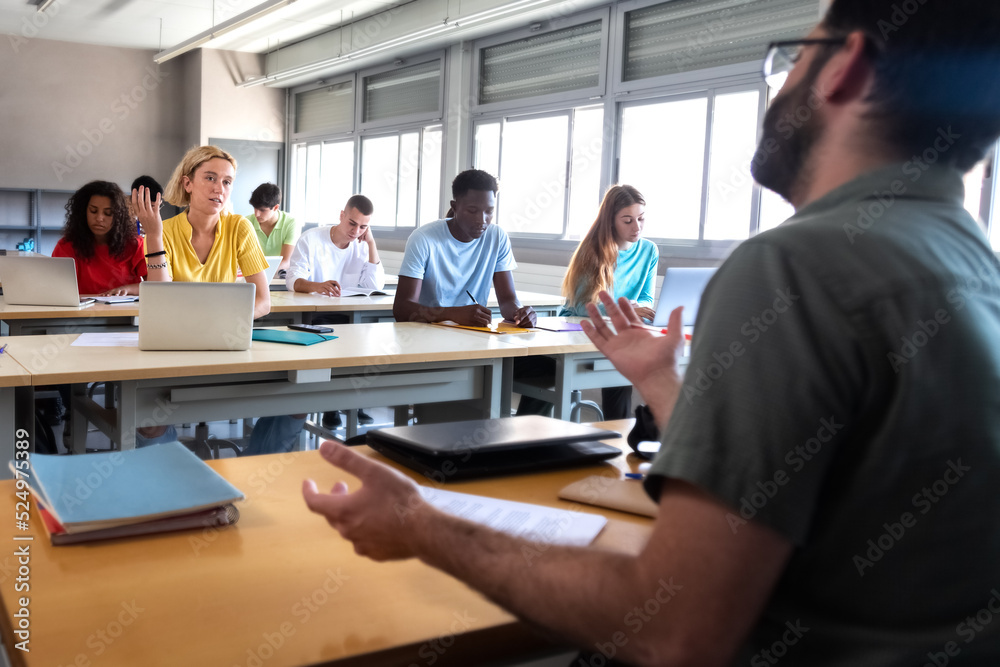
<point x="228" y="112"/>
<point x="74" y="113"/>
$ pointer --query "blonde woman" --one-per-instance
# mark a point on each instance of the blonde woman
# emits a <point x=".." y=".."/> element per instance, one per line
<point x="205" y="243"/>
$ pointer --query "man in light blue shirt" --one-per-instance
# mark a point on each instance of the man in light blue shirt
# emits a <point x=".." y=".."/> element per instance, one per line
<point x="449" y="265"/>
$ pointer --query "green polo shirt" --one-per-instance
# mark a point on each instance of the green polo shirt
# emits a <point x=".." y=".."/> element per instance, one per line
<point x="844" y="389"/>
<point x="285" y="232"/>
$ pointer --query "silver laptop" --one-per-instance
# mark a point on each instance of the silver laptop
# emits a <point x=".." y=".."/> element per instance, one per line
<point x="272" y="267"/>
<point x="195" y="316"/>
<point x="682" y="286"/>
<point x="40" y="281"/>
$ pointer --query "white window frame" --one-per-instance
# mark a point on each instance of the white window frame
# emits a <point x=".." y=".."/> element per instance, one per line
<point x="397" y="132"/>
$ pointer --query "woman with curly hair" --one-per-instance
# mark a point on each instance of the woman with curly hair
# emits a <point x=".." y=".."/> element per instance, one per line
<point x="100" y="234"/>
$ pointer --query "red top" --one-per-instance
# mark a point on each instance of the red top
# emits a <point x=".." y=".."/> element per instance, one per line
<point x="102" y="271"/>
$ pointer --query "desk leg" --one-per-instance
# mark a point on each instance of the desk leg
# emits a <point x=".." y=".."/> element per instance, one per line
<point x="126" y="414"/>
<point x="506" y="385"/>
<point x="351" y="425"/>
<point x="400" y="415"/>
<point x="563" y="409"/>
<point x="493" y="382"/>
<point x="78" y="421"/>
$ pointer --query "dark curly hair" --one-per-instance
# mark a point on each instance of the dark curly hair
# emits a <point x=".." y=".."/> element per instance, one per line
<point x="123" y="231"/>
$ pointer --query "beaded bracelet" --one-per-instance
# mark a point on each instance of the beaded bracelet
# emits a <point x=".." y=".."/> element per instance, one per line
<point x="162" y="265"/>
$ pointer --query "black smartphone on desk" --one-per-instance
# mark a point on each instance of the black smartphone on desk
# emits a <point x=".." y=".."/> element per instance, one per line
<point x="311" y="328"/>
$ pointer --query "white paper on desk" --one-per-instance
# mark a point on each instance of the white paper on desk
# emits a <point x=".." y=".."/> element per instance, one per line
<point x="108" y="339"/>
<point x="531" y="522"/>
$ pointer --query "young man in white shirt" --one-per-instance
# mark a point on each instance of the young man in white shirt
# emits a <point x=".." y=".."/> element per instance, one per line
<point x="326" y="258"/>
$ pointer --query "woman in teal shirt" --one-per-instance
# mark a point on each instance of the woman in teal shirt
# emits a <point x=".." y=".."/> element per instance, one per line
<point x="613" y="257"/>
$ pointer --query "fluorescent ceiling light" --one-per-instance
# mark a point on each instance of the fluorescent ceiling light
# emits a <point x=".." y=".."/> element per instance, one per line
<point x="238" y="21"/>
<point x="419" y="35"/>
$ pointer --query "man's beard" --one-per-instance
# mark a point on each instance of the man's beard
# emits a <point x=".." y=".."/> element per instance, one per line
<point x="790" y="131"/>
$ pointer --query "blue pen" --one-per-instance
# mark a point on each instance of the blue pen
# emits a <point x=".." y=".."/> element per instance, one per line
<point x="634" y="475"/>
<point x="3" y="347"/>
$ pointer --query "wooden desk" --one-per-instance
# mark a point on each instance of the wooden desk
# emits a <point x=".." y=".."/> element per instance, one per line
<point x="14" y="381"/>
<point x="280" y="587"/>
<point x="369" y="364"/>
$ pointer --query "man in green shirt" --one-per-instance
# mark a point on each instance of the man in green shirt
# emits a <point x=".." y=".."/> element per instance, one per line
<point x="276" y="230"/>
<point x="827" y="475"/>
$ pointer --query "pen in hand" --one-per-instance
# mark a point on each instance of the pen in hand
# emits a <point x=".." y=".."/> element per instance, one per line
<point x="472" y="297"/>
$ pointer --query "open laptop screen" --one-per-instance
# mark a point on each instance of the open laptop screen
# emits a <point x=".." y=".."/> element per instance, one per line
<point x="195" y="316"/>
<point x="682" y="286"/>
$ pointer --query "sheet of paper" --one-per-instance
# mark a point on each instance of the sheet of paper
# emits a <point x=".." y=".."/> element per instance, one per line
<point x="108" y="339"/>
<point x="531" y="522"/>
<point x="563" y="326"/>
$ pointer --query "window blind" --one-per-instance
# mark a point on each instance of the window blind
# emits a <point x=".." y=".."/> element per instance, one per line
<point x="685" y="35"/>
<point x="403" y="92"/>
<point x="558" y="61"/>
<point x="330" y="108"/>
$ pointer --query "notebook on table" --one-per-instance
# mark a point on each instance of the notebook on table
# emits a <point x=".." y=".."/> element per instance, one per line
<point x="40" y="281"/>
<point x="195" y="316"/>
<point x="488" y="447"/>
<point x="682" y="286"/>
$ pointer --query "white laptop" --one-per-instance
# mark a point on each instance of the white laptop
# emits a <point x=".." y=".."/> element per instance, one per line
<point x="272" y="267"/>
<point x="195" y="316"/>
<point x="40" y="281"/>
<point x="682" y="286"/>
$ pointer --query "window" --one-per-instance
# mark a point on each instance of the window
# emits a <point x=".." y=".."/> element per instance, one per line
<point x="401" y="174"/>
<point x="662" y="154"/>
<point x="322" y="180"/>
<point x="393" y="157"/>
<point x="731" y="186"/>
<point x="336" y="179"/>
<point x="539" y="159"/>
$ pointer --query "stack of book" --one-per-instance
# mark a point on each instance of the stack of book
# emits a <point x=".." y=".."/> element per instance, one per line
<point x="165" y="487"/>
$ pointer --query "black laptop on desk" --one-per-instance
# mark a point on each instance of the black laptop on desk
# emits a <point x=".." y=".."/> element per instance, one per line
<point x="489" y="447"/>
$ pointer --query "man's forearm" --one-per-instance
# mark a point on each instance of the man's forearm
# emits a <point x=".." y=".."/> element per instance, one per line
<point x="412" y="311"/>
<point x="583" y="595"/>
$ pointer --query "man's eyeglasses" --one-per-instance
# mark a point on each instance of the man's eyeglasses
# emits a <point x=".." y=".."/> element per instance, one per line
<point x="782" y="56"/>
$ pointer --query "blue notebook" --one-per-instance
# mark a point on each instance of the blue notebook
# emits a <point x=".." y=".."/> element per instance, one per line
<point x="92" y="491"/>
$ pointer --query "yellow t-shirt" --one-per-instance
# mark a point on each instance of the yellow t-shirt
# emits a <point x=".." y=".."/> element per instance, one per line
<point x="235" y="244"/>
